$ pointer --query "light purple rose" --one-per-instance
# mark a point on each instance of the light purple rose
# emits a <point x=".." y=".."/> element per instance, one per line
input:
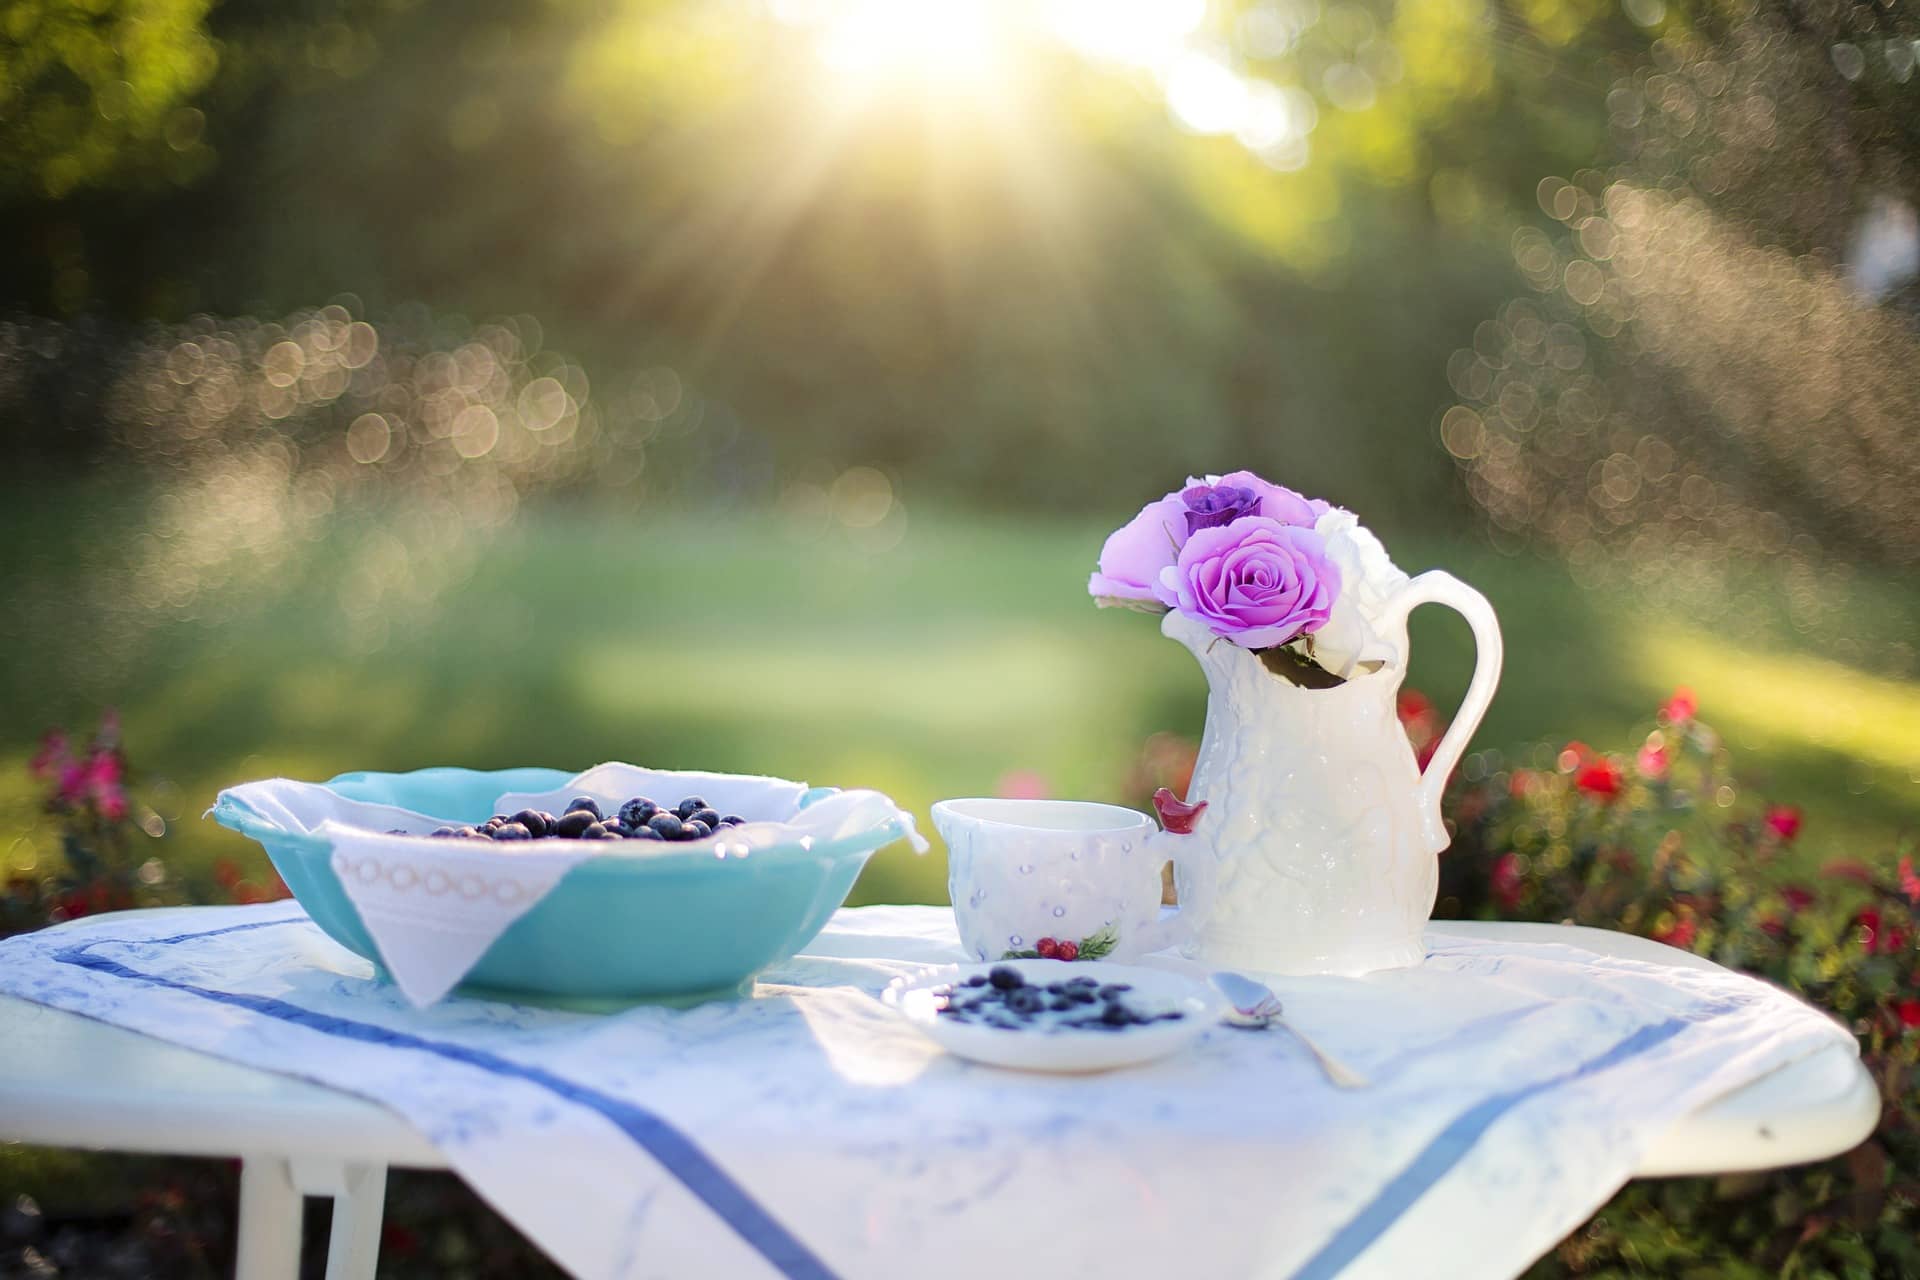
<point x="1131" y="561"/>
<point x="1277" y="502"/>
<point x="1256" y="582"/>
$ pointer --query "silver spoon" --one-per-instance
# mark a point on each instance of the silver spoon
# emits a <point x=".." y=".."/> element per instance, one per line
<point x="1255" y="1005"/>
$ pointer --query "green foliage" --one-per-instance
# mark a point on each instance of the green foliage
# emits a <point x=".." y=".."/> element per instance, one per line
<point x="1656" y="844"/>
<point x="96" y="93"/>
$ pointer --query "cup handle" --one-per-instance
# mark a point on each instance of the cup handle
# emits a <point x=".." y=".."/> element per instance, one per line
<point x="1170" y="928"/>
<point x="1437" y="587"/>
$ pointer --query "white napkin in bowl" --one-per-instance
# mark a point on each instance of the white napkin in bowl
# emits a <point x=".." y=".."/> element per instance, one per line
<point x="434" y="906"/>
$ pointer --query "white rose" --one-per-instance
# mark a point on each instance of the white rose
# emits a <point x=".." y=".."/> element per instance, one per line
<point x="1351" y="638"/>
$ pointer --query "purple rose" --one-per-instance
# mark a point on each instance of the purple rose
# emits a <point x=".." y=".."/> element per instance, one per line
<point x="1133" y="557"/>
<point x="1211" y="505"/>
<point x="1256" y="582"/>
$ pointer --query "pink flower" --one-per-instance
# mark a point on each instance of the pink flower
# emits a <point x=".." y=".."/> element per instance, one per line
<point x="1909" y="882"/>
<point x="1653" y="760"/>
<point x="100" y="781"/>
<point x="53" y="756"/>
<point x="1784" y="819"/>
<point x="1507" y="881"/>
<point x="1797" y="897"/>
<point x="1600" y="778"/>
<point x="1022" y="784"/>
<point x="1256" y="582"/>
<point x="1680" y="708"/>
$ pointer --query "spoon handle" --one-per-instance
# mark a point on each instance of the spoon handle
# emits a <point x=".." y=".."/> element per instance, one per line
<point x="1342" y="1076"/>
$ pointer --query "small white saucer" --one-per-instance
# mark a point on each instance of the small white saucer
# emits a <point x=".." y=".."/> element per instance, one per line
<point x="1054" y="1048"/>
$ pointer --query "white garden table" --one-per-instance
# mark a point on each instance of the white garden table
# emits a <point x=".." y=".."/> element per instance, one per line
<point x="69" y="1081"/>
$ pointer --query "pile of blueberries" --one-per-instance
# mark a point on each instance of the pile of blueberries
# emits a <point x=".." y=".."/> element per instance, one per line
<point x="1002" y="998"/>
<point x="637" y="819"/>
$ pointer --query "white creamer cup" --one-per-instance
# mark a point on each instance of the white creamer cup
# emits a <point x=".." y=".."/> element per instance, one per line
<point x="1073" y="871"/>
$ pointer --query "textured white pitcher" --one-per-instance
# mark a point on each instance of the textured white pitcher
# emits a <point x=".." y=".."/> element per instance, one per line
<point x="1316" y="852"/>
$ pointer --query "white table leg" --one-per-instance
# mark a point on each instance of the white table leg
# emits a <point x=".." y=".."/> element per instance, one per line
<point x="354" y="1245"/>
<point x="269" y="1244"/>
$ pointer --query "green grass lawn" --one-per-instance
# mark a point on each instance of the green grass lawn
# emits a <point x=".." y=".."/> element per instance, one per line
<point x="926" y="670"/>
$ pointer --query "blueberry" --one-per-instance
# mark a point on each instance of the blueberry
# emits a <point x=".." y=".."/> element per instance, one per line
<point x="1005" y="977"/>
<point x="512" y="831"/>
<point x="598" y="832"/>
<point x="1113" y="989"/>
<point x="1026" y="1000"/>
<point x="733" y="820"/>
<point x="977" y="980"/>
<point x="1059" y="1003"/>
<point x="667" y="826"/>
<point x="442" y="831"/>
<point x="574" y="823"/>
<point x="643" y="833"/>
<point x="1082" y="995"/>
<point x="499" y="819"/>
<point x="537" y="824"/>
<point x="1116" y="1015"/>
<point x="586" y="803"/>
<point x="698" y="830"/>
<point x="636" y="811"/>
<point x="690" y="806"/>
<point x="707" y="816"/>
<point x="469" y="833"/>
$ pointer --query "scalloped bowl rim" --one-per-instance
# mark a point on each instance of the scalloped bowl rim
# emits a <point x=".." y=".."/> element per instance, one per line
<point x="646" y="860"/>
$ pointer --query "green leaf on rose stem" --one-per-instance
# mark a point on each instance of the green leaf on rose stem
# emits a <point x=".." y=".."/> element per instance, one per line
<point x="1020" y="955"/>
<point x="1099" y="944"/>
<point x="1295" y="668"/>
<point x="1136" y="606"/>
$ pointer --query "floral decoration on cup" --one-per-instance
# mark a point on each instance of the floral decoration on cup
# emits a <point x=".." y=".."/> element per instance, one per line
<point x="1095" y="946"/>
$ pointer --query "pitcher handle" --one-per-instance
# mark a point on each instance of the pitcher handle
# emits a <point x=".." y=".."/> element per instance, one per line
<point x="1437" y="587"/>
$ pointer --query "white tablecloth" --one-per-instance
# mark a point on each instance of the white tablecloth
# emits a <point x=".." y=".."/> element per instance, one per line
<point x="808" y="1133"/>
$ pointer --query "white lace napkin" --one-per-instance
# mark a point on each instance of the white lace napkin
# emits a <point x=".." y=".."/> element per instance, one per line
<point x="434" y="906"/>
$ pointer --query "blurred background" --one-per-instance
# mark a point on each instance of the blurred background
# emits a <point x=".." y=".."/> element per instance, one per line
<point x="750" y="384"/>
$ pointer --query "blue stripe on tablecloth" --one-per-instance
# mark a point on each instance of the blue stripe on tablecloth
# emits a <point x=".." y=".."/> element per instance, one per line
<point x="1450" y="1146"/>
<point x="673" y="1149"/>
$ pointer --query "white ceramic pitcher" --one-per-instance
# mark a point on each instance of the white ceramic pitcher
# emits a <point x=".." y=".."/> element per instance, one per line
<point x="1316" y="852"/>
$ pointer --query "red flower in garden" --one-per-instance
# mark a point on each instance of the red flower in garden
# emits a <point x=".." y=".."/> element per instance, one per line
<point x="1412" y="705"/>
<point x="1797" y="896"/>
<point x="1784" y="819"/>
<point x="1680" y="933"/>
<point x="1908" y="1011"/>
<point x="1878" y="937"/>
<point x="1600" y="778"/>
<point x="1680" y="708"/>
<point x="1909" y="882"/>
<point x="1573" y="755"/>
<point x="1653" y="760"/>
<point x="1508" y="880"/>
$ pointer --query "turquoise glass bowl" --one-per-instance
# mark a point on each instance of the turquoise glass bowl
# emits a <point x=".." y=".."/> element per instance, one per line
<point x="676" y="927"/>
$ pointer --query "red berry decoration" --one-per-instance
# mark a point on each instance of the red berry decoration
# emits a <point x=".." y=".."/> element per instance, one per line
<point x="1067" y="951"/>
<point x="1048" y="949"/>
